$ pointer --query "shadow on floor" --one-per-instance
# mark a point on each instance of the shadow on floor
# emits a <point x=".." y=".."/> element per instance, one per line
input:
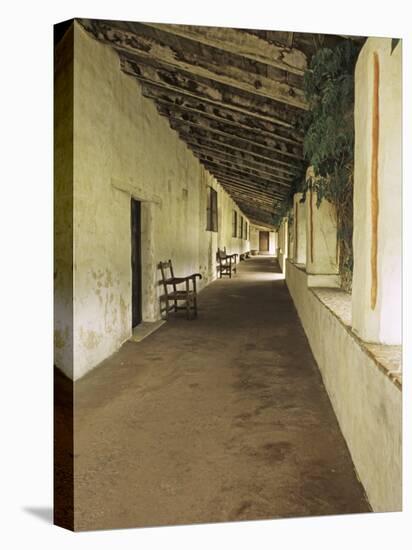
<point x="43" y="513"/>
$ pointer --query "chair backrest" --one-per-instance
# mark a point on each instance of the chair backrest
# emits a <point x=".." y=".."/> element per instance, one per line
<point x="221" y="254"/>
<point x="164" y="266"/>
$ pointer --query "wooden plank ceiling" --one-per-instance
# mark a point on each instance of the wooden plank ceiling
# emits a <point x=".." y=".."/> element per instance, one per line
<point x="232" y="95"/>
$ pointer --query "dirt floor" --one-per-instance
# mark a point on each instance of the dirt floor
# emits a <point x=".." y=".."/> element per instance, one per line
<point x="224" y="418"/>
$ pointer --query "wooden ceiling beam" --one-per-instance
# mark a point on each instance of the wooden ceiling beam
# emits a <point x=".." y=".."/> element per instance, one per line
<point x="234" y="192"/>
<point x="238" y="156"/>
<point x="243" y="167"/>
<point x="219" y="141"/>
<point x="233" y="139"/>
<point x="204" y="89"/>
<point x="258" y="215"/>
<point x="253" y="179"/>
<point x="242" y="182"/>
<point x="241" y="43"/>
<point x="248" y="208"/>
<point x="258" y="223"/>
<point x="186" y="103"/>
<point x="253" y="138"/>
<point x="142" y="48"/>
<point x="242" y="187"/>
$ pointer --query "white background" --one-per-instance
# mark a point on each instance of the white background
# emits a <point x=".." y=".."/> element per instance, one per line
<point x="27" y="275"/>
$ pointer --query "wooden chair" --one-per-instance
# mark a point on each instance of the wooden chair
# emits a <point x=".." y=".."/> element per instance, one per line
<point x="172" y="294"/>
<point x="226" y="263"/>
<point x="244" y="256"/>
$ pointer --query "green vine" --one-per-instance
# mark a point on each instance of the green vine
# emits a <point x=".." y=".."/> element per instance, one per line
<point x="328" y="144"/>
<point x="285" y="208"/>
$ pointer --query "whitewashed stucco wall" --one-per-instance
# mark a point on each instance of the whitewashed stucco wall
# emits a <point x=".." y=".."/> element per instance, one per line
<point x="124" y="148"/>
<point x="367" y="404"/>
<point x="63" y="205"/>
<point x="382" y="323"/>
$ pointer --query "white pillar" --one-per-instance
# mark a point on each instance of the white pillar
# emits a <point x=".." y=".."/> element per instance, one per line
<point x="283" y="243"/>
<point x="377" y="246"/>
<point x="286" y="237"/>
<point x="299" y="229"/>
<point x="291" y="236"/>
<point x="322" y="254"/>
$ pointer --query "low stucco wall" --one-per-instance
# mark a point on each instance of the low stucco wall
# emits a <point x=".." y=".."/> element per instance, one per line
<point x="282" y="259"/>
<point x="123" y="148"/>
<point x="367" y="404"/>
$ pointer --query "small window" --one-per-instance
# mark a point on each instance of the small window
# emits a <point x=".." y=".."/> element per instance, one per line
<point x="241" y="227"/>
<point x="211" y="211"/>
<point x="246" y="228"/>
<point x="234" y="224"/>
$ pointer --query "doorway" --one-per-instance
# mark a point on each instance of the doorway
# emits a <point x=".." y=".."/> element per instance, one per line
<point x="136" y="262"/>
<point x="264" y="241"/>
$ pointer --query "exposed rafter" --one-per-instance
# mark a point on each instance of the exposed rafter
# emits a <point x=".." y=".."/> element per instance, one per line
<point x="266" y="184"/>
<point x="206" y="90"/>
<point x="239" y="156"/>
<point x="241" y="43"/>
<point x="223" y="129"/>
<point x="233" y="96"/>
<point x="221" y="160"/>
<point x="138" y="47"/>
<point x="249" y="121"/>
<point x="188" y="134"/>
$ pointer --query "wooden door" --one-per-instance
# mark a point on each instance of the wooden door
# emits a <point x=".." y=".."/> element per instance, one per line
<point x="263" y="241"/>
<point x="136" y="264"/>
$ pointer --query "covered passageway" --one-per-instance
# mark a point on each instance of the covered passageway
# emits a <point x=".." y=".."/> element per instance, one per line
<point x="283" y="396"/>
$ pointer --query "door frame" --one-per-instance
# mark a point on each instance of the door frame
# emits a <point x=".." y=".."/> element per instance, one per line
<point x="136" y="260"/>
<point x="260" y="241"/>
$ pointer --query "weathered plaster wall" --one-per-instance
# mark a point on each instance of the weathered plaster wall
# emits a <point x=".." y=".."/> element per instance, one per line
<point x="367" y="404"/>
<point x="254" y="238"/>
<point x="63" y="205"/>
<point x="124" y="148"/>
<point x="381" y="323"/>
<point x="283" y="244"/>
<point x="299" y="229"/>
<point x="321" y="242"/>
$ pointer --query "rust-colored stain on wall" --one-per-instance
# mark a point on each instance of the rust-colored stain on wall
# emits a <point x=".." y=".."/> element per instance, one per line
<point x="296" y="230"/>
<point x="311" y="224"/>
<point x="374" y="181"/>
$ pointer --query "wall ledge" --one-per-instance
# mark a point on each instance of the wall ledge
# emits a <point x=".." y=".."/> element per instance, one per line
<point x="387" y="358"/>
<point x="363" y="383"/>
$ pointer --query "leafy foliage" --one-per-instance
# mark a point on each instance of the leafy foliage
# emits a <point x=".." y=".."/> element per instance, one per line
<point x="328" y="124"/>
<point x="329" y="138"/>
<point x="285" y="208"/>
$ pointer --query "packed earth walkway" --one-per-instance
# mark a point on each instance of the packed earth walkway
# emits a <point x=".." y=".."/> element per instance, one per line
<point x="223" y="418"/>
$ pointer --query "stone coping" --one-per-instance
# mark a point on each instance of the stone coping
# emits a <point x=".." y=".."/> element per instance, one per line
<point x="387" y="358"/>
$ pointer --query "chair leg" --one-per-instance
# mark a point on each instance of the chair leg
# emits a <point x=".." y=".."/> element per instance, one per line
<point x="187" y="300"/>
<point x="175" y="301"/>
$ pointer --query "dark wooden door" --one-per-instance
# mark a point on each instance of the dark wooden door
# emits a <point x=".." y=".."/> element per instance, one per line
<point x="263" y="241"/>
<point x="136" y="264"/>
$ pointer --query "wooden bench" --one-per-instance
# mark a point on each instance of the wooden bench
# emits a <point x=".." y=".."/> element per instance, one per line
<point x="172" y="294"/>
<point x="244" y="256"/>
<point x="226" y="263"/>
